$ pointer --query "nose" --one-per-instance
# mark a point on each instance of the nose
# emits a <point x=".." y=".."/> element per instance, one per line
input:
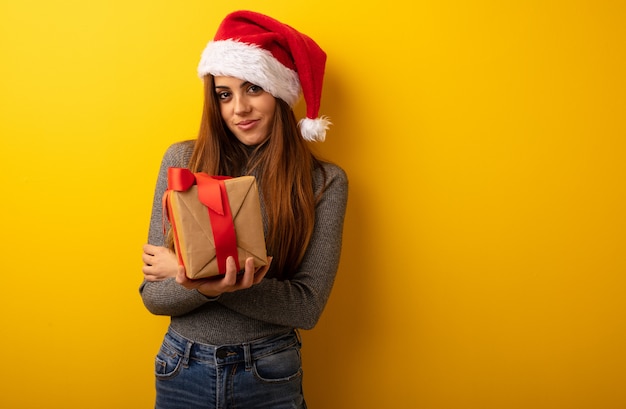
<point x="242" y="105"/>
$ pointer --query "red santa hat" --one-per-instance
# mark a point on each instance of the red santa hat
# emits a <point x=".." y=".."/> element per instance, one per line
<point x="281" y="60"/>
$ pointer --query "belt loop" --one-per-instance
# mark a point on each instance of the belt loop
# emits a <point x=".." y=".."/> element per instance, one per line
<point x="247" y="356"/>
<point x="187" y="354"/>
<point x="298" y="337"/>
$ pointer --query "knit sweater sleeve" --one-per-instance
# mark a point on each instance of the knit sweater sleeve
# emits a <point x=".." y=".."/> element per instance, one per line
<point x="299" y="302"/>
<point x="294" y="303"/>
<point x="168" y="297"/>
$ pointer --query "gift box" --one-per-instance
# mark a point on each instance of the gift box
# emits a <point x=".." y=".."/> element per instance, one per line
<point x="213" y="218"/>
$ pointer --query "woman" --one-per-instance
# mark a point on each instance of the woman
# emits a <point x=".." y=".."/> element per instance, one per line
<point x="232" y="341"/>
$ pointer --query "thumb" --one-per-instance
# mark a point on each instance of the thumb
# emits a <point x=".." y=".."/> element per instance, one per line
<point x="181" y="276"/>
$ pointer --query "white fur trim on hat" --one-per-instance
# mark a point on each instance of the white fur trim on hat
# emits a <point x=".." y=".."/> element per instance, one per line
<point x="314" y="129"/>
<point x="252" y="63"/>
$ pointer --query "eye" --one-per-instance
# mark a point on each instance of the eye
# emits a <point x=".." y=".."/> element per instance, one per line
<point x="254" y="89"/>
<point x="223" y="95"/>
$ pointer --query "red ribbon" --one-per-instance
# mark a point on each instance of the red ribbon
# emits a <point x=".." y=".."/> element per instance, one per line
<point x="212" y="193"/>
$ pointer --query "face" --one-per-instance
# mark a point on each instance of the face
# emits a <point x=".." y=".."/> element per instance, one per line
<point x="246" y="108"/>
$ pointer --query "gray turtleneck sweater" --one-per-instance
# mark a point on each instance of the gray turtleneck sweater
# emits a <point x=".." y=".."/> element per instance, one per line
<point x="270" y="307"/>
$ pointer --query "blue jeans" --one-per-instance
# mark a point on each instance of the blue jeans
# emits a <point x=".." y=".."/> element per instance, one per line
<point x="265" y="373"/>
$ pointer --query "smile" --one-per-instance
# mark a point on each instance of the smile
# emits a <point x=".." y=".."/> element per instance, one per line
<point x="246" y="125"/>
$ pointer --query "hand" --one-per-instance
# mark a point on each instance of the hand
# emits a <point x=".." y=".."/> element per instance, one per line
<point x="160" y="263"/>
<point x="229" y="282"/>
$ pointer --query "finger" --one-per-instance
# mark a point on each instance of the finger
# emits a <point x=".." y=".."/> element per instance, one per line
<point x="149" y="249"/>
<point x="248" y="275"/>
<point x="149" y="275"/>
<point x="229" y="279"/>
<point x="146" y="258"/>
<point x="249" y="264"/>
<point x="181" y="277"/>
<point x="152" y="279"/>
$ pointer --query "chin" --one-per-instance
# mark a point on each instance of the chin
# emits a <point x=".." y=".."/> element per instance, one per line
<point x="252" y="141"/>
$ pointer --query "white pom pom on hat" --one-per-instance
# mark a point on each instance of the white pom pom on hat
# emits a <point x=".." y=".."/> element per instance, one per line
<point x="281" y="60"/>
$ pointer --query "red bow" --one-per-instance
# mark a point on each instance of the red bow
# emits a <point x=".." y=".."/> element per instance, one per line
<point x="212" y="193"/>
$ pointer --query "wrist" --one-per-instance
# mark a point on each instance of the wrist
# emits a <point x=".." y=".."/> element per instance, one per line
<point x="209" y="297"/>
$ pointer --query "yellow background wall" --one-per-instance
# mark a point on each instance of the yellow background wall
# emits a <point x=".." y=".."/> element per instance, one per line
<point x="484" y="251"/>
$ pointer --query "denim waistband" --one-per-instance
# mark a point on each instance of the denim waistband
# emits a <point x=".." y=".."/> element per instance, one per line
<point x="231" y="353"/>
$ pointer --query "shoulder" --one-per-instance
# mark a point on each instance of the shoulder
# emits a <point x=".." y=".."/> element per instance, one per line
<point x="178" y="154"/>
<point x="330" y="172"/>
<point x="330" y="177"/>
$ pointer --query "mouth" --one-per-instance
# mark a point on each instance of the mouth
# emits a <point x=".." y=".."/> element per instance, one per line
<point x="247" y="124"/>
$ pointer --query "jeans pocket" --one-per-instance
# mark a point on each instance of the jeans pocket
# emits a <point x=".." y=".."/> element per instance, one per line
<point x="167" y="363"/>
<point x="282" y="366"/>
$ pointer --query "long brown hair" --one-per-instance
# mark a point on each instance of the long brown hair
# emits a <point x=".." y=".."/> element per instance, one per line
<point x="283" y="165"/>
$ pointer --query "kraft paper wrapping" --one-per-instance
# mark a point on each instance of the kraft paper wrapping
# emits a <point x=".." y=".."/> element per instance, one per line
<point x="194" y="241"/>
